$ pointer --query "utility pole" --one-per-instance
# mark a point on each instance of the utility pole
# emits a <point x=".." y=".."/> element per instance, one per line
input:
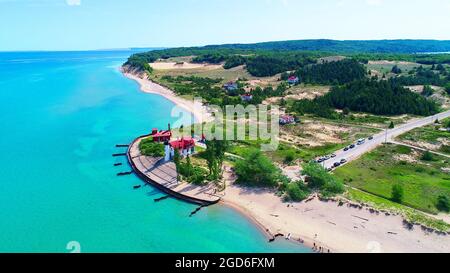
<point x="385" y="136"/>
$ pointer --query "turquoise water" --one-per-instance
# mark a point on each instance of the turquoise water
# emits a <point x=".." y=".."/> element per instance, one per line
<point x="61" y="116"/>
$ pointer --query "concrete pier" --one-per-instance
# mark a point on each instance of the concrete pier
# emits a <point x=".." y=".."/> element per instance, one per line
<point x="163" y="175"/>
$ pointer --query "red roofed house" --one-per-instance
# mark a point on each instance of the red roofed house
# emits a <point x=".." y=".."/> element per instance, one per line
<point x="286" y="119"/>
<point x="185" y="145"/>
<point x="293" y="80"/>
<point x="161" y="136"/>
<point x="247" y="97"/>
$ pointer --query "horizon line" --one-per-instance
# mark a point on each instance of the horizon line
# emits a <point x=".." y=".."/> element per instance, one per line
<point x="216" y="44"/>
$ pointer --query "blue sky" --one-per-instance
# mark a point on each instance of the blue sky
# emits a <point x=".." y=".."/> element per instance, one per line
<point x="100" y="24"/>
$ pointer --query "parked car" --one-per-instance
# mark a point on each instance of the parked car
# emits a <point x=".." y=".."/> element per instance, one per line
<point x="343" y="161"/>
<point x="370" y="138"/>
<point x="333" y="156"/>
<point x="336" y="164"/>
<point x="346" y="149"/>
<point x="352" y="146"/>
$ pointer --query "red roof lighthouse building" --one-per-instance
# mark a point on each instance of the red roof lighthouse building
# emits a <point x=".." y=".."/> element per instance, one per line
<point x="185" y="146"/>
<point x="161" y="136"/>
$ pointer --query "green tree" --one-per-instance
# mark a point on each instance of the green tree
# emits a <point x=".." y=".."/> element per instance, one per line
<point x="215" y="155"/>
<point x="447" y="88"/>
<point x="443" y="203"/>
<point x="319" y="178"/>
<point x="397" y="193"/>
<point x="256" y="170"/>
<point x="391" y="125"/>
<point x="396" y="70"/>
<point x="427" y="156"/>
<point x="427" y="91"/>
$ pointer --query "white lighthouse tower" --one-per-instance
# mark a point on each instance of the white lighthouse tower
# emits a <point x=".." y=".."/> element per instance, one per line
<point x="167" y="151"/>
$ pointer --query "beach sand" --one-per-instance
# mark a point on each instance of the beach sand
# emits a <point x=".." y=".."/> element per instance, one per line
<point x="330" y="226"/>
<point x="200" y="112"/>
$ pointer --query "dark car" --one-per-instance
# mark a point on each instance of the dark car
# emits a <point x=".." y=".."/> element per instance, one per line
<point x="352" y="146"/>
<point x="345" y="149"/>
<point x="370" y="138"/>
<point x="337" y="164"/>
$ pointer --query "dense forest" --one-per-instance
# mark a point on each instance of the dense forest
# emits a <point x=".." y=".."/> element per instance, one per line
<point x="290" y="55"/>
<point x="437" y="75"/>
<point x="355" y="46"/>
<point x="332" y="73"/>
<point x="372" y="96"/>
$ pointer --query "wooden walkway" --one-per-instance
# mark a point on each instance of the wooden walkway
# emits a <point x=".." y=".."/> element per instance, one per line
<point x="163" y="175"/>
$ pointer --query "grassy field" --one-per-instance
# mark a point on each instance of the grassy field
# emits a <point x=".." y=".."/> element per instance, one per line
<point x="377" y="171"/>
<point x="438" y="140"/>
<point x="385" y="67"/>
<point x="410" y="214"/>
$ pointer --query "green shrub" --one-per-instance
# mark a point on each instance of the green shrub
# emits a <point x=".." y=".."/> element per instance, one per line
<point x="297" y="191"/>
<point x="256" y="170"/>
<point x="150" y="148"/>
<point x="319" y="178"/>
<point x="397" y="193"/>
<point x="427" y="156"/>
<point x="443" y="203"/>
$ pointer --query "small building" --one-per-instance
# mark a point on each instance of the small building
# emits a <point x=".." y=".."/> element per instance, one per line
<point x="186" y="146"/>
<point x="247" y="97"/>
<point x="161" y="136"/>
<point x="293" y="80"/>
<point x="287" y="119"/>
<point x="230" y="86"/>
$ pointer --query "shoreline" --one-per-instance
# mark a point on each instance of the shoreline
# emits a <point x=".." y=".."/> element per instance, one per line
<point x="200" y="113"/>
<point x="328" y="225"/>
<point x="147" y="86"/>
<point x="305" y="242"/>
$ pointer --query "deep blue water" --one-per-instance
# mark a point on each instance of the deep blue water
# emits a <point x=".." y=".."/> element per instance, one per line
<point x="61" y="115"/>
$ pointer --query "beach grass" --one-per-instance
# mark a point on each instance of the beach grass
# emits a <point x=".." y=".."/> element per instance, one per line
<point x="411" y="215"/>
<point x="388" y="165"/>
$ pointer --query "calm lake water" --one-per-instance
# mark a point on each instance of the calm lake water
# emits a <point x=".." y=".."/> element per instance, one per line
<point x="62" y="114"/>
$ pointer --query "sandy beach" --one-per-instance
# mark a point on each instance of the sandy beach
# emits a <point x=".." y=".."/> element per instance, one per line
<point x="331" y="226"/>
<point x="200" y="112"/>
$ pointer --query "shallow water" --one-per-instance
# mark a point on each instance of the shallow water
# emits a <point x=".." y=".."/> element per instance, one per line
<point x="62" y="115"/>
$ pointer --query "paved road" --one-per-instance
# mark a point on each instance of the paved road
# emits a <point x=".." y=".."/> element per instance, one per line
<point x="382" y="137"/>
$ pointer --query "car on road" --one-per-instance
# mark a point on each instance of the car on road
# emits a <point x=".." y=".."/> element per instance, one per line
<point x="343" y="161"/>
<point x="336" y="164"/>
<point x="361" y="141"/>
<point x="352" y="146"/>
<point x="370" y="138"/>
<point x="333" y="156"/>
<point x="346" y="149"/>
